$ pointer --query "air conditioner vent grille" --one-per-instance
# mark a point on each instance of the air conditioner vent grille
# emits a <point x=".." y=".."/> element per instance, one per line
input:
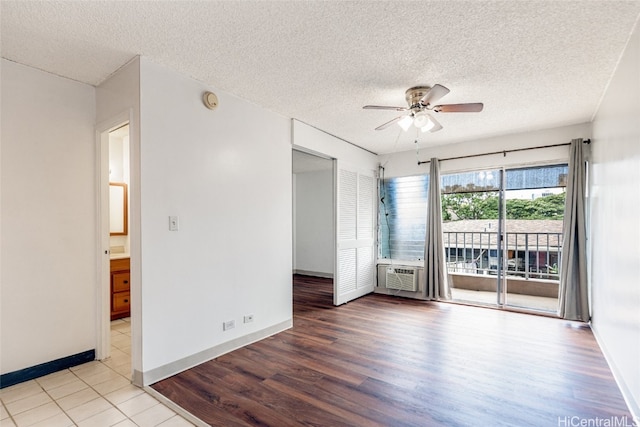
<point x="402" y="278"/>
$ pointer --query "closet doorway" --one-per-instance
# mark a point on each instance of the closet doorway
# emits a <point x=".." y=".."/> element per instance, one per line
<point x="313" y="215"/>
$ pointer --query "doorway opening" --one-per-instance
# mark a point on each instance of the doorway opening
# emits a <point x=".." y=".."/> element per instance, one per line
<point x="114" y="230"/>
<point x="119" y="251"/>
<point x="313" y="215"/>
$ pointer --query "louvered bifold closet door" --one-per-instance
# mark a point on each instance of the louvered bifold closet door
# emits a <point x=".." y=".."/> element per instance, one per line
<point x="354" y="234"/>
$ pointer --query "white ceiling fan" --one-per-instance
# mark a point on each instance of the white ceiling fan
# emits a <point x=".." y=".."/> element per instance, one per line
<point x="421" y="100"/>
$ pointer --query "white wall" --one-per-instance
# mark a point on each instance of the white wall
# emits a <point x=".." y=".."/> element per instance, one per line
<point x="406" y="163"/>
<point x="119" y="172"/>
<point x="314" y="233"/>
<point x="119" y="158"/>
<point x="615" y="225"/>
<point x="229" y="180"/>
<point x="48" y="217"/>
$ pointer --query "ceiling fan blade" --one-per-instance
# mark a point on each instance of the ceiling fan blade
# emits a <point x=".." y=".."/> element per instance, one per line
<point x="434" y="94"/>
<point x="389" y="123"/>
<point x="384" y="107"/>
<point x="474" y="107"/>
<point x="436" y="125"/>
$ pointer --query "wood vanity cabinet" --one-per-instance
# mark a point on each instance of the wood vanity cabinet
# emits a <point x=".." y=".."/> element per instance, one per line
<point x="120" y="290"/>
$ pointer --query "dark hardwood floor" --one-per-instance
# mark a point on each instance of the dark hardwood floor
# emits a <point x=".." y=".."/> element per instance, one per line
<point x="387" y="361"/>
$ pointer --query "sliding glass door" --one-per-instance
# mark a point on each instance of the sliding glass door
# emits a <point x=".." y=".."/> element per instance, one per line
<point x="502" y="230"/>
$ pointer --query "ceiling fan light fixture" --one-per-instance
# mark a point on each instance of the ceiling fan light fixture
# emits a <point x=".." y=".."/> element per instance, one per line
<point x="405" y="123"/>
<point x="426" y="128"/>
<point x="420" y="100"/>
<point x="421" y="120"/>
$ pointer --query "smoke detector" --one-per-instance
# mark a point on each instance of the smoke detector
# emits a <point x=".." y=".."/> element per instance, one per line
<point x="210" y="100"/>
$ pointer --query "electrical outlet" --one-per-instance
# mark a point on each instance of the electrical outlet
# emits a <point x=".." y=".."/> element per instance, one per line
<point x="248" y="318"/>
<point x="229" y="324"/>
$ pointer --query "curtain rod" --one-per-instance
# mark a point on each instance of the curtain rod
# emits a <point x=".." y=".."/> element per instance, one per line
<point x="504" y="152"/>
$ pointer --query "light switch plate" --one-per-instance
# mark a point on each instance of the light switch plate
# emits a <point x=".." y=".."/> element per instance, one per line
<point x="174" y="223"/>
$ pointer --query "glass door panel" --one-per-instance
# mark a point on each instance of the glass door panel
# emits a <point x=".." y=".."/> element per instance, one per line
<point x="471" y="229"/>
<point x="534" y="209"/>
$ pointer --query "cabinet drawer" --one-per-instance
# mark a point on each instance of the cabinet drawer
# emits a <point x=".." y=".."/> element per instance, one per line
<point x="120" y="264"/>
<point x="120" y="282"/>
<point x="121" y="301"/>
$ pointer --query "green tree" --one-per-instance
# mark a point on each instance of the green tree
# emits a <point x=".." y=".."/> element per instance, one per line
<point x="484" y="205"/>
<point x="457" y="206"/>
<point x="547" y="207"/>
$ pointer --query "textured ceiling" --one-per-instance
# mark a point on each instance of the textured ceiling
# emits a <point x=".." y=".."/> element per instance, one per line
<point x="534" y="64"/>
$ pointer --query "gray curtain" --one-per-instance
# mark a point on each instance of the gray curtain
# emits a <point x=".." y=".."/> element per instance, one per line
<point x="574" y="299"/>
<point x="435" y="269"/>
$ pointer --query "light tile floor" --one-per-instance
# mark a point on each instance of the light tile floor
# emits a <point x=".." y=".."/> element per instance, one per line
<point x="94" y="394"/>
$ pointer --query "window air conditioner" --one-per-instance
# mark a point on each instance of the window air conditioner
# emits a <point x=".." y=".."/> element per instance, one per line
<point x="402" y="278"/>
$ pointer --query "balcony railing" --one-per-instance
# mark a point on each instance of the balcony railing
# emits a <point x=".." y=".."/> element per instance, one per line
<point x="528" y="255"/>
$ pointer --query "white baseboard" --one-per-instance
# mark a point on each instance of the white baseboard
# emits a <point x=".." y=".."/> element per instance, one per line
<point x="154" y="375"/>
<point x="314" y="273"/>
